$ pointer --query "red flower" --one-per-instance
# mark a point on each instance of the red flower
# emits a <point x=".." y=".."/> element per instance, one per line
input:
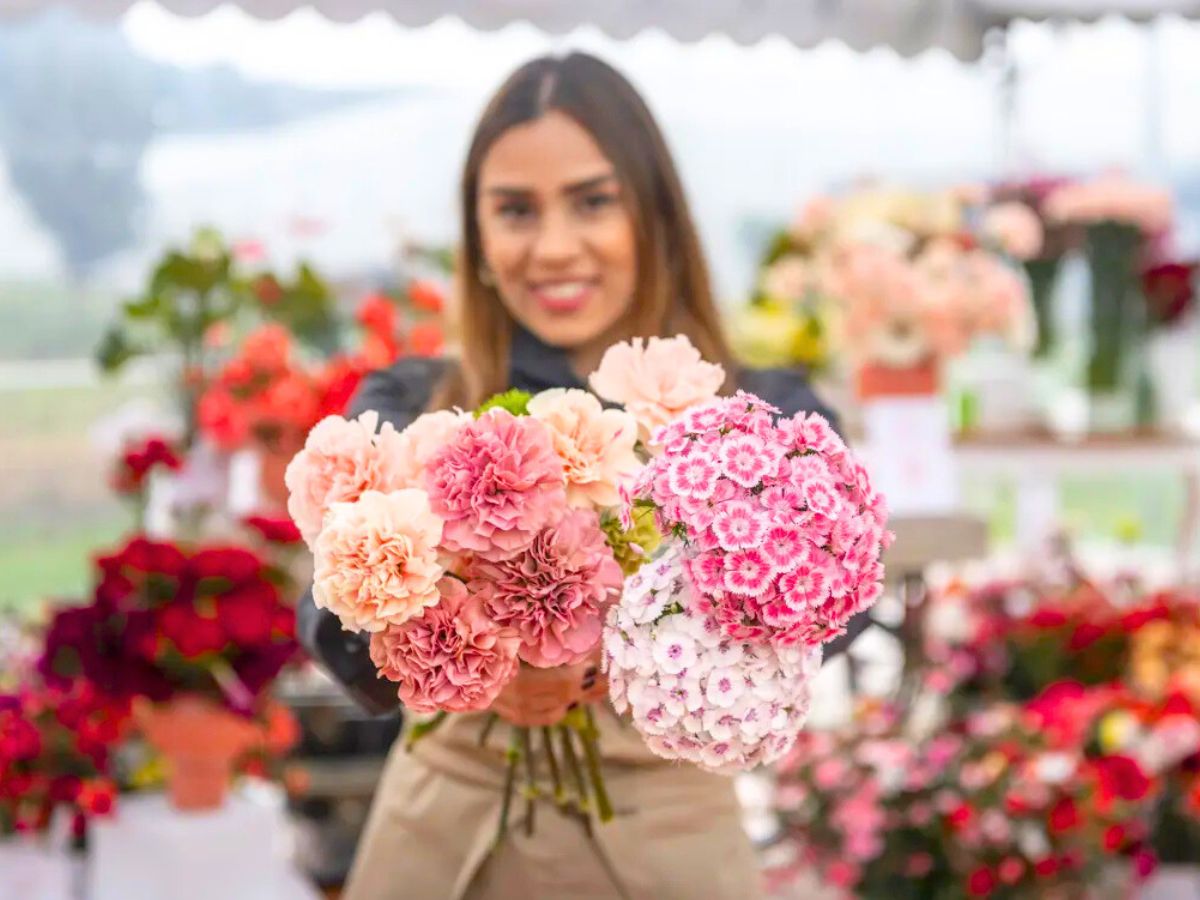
<point x="961" y="816"/>
<point x="426" y="295"/>
<point x="426" y="339"/>
<point x="274" y="530"/>
<point x="1064" y="816"/>
<point x="1011" y="869"/>
<point x="1114" y="838"/>
<point x="1169" y="289"/>
<point x="139" y="460"/>
<point x="1121" y="777"/>
<point x="192" y="634"/>
<point x="1084" y="635"/>
<point x="1048" y="618"/>
<point x="97" y="797"/>
<point x="1046" y="867"/>
<point x="336" y="385"/>
<point x="233" y="564"/>
<point x="1144" y="862"/>
<point x="981" y="882"/>
<point x="247" y="614"/>
<point x="223" y="419"/>
<point x="268" y="290"/>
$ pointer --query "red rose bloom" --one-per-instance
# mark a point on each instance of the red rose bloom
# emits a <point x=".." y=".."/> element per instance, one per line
<point x="981" y="882"/>
<point x="1121" y="777"/>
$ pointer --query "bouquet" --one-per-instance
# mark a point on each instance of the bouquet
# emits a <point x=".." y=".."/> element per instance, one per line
<point x="470" y="544"/>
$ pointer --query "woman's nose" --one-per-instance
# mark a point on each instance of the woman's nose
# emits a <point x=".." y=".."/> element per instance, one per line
<point x="557" y="239"/>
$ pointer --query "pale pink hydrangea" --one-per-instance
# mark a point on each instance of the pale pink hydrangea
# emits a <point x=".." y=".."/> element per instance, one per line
<point x="596" y="444"/>
<point x="782" y="525"/>
<point x="376" y="559"/>
<point x="657" y="379"/>
<point x="451" y="657"/>
<point x="496" y="485"/>
<point x="554" y="594"/>
<point x="341" y="459"/>
<point x="693" y="692"/>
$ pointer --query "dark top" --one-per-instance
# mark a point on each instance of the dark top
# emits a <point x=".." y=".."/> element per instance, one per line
<point x="401" y="393"/>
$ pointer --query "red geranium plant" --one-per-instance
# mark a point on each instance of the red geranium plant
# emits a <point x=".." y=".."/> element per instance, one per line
<point x="55" y="753"/>
<point x="166" y="619"/>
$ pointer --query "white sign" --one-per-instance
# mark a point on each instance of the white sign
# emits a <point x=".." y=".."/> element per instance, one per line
<point x="908" y="451"/>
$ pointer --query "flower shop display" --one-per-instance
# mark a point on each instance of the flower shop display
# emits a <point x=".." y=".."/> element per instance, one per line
<point x="468" y="545"/>
<point x="1169" y="288"/>
<point x="195" y="636"/>
<point x="899" y="282"/>
<point x="1120" y="219"/>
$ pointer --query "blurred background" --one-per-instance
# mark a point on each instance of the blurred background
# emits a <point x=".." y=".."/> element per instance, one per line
<point x="188" y="188"/>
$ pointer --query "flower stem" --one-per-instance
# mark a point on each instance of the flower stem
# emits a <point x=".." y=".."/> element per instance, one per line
<point x="560" y="796"/>
<point x="422" y="729"/>
<point x="576" y="772"/>
<point x="531" y="788"/>
<point x="486" y="731"/>
<point x="513" y="756"/>
<point x="588" y="736"/>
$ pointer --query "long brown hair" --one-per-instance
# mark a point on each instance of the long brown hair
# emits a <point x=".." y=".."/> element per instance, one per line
<point x="673" y="290"/>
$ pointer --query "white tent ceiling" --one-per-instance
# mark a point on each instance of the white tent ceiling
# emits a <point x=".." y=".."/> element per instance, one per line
<point x="908" y="26"/>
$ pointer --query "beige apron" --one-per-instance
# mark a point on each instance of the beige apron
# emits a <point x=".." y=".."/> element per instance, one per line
<point x="676" y="832"/>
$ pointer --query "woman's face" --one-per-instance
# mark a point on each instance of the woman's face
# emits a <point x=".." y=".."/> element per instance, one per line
<point x="557" y="232"/>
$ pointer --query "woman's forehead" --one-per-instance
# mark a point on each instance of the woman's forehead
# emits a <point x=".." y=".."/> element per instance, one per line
<point x="551" y="153"/>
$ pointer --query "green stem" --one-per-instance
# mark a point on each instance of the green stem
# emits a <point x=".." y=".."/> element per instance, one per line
<point x="486" y="731"/>
<point x="422" y="729"/>
<point x="589" y="737"/>
<point x="513" y="756"/>
<point x="1043" y="275"/>
<point x="531" y="788"/>
<point x="575" y="770"/>
<point x="560" y="796"/>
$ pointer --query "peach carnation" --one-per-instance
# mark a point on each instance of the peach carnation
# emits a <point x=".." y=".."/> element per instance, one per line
<point x="656" y="379"/>
<point x="341" y="459"/>
<point x="595" y="444"/>
<point x="376" y="559"/>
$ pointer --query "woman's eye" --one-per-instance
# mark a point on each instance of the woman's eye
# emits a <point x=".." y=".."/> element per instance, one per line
<point x="598" y="201"/>
<point x="516" y="210"/>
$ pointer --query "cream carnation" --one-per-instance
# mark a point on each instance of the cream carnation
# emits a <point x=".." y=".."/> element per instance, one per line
<point x="596" y="444"/>
<point x="341" y="459"/>
<point x="376" y="559"/>
<point x="656" y="379"/>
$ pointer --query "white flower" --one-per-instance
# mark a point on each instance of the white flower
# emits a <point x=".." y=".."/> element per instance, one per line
<point x="674" y="651"/>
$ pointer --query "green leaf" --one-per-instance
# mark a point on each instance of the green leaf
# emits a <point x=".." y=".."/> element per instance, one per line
<point x="515" y="401"/>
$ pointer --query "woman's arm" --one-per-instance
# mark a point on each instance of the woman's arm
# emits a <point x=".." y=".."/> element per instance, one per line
<point x="399" y="394"/>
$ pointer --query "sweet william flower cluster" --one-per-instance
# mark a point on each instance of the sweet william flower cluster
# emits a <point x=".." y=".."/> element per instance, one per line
<point x="782" y="527"/>
<point x="693" y="692"/>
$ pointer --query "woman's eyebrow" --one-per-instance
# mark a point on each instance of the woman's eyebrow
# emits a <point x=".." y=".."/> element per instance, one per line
<point x="501" y="190"/>
<point x="590" y="184"/>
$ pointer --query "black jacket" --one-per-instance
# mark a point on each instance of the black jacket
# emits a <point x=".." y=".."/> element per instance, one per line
<point x="401" y="393"/>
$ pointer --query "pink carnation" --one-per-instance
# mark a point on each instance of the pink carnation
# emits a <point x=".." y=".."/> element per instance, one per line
<point x="376" y="559"/>
<point x="452" y="657"/>
<point x="496" y="485"/>
<point x="341" y="459"/>
<point x="596" y="444"/>
<point x="555" y="593"/>
<point x="1015" y="228"/>
<point x="418" y="443"/>
<point x="656" y="379"/>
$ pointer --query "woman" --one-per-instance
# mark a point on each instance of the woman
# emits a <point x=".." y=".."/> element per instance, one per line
<point x="575" y="235"/>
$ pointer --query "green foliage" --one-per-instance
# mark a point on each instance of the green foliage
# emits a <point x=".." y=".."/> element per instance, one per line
<point x="515" y="401"/>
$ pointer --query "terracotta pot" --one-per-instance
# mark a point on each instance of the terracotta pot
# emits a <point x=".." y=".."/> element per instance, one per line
<point x="874" y="380"/>
<point x="200" y="742"/>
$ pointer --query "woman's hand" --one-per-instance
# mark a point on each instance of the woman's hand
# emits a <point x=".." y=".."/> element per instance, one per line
<point x="537" y="697"/>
